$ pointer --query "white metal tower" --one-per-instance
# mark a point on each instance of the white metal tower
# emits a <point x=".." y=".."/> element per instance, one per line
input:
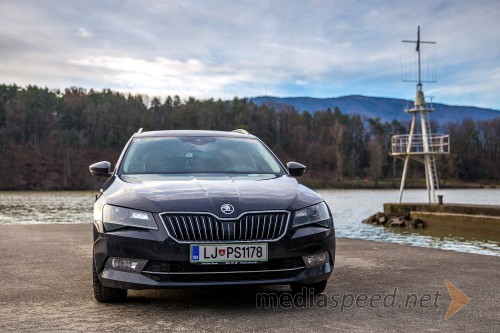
<point x="424" y="146"/>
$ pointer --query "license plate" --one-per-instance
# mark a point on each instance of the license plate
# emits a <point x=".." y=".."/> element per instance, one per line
<point x="226" y="253"/>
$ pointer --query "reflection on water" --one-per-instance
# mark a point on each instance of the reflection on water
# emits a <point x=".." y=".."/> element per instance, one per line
<point x="349" y="208"/>
<point x="30" y="207"/>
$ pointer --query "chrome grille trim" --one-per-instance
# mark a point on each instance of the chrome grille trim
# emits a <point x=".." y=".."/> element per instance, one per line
<point x="229" y="272"/>
<point x="252" y="226"/>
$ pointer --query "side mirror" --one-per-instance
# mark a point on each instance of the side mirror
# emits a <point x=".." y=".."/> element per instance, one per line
<point x="296" y="169"/>
<point x="100" y="169"/>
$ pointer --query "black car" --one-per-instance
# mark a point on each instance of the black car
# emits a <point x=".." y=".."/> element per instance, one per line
<point x="206" y="208"/>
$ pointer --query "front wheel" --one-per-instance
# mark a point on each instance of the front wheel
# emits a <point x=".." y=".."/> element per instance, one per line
<point x="104" y="294"/>
<point x="316" y="288"/>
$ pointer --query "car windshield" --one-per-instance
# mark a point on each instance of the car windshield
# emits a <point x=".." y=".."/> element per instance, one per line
<point x="195" y="154"/>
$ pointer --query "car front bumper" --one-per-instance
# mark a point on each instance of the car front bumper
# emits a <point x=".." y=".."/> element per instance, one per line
<point x="168" y="261"/>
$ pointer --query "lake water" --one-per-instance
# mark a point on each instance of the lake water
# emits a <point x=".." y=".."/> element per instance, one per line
<point x="349" y="208"/>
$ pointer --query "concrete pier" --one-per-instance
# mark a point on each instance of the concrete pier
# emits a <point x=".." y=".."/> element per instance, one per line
<point x="481" y="218"/>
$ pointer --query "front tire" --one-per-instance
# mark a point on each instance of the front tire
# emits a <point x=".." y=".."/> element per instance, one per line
<point x="104" y="294"/>
<point x="317" y="288"/>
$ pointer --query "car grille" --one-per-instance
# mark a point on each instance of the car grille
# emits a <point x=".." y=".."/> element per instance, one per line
<point x="163" y="271"/>
<point x="267" y="226"/>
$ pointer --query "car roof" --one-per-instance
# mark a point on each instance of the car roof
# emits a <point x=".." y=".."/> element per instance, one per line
<point x="184" y="133"/>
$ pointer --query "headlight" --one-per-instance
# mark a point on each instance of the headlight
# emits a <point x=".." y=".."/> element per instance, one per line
<point x="317" y="214"/>
<point x="118" y="217"/>
<point x="98" y="206"/>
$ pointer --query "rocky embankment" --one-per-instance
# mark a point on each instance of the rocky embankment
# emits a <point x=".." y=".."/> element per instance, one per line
<point x="394" y="220"/>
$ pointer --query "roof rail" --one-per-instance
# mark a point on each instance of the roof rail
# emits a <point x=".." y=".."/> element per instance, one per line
<point x="241" y="131"/>
<point x="140" y="130"/>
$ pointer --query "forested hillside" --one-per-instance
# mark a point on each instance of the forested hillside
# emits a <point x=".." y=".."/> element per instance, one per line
<point x="49" y="138"/>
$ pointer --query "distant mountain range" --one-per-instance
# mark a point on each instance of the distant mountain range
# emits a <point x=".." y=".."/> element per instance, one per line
<point x="387" y="109"/>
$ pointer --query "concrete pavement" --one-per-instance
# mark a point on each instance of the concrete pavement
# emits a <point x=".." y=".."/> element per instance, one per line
<point x="45" y="285"/>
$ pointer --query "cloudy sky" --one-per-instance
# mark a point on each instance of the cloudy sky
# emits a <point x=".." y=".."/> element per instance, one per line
<point x="227" y="48"/>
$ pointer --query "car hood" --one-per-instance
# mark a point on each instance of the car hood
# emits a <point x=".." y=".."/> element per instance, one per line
<point x="207" y="193"/>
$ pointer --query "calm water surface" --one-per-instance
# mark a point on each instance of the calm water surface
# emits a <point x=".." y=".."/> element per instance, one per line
<point x="32" y="207"/>
<point x="349" y="208"/>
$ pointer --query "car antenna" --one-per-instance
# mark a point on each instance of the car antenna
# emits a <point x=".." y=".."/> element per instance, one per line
<point x="140" y="130"/>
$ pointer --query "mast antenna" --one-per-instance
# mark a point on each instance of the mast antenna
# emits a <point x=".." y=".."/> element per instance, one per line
<point x="420" y="145"/>
<point x="419" y="66"/>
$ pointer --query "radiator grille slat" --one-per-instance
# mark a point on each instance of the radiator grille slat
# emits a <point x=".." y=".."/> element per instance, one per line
<point x="179" y="227"/>
<point x="185" y="228"/>
<point x="173" y="227"/>
<point x="254" y="226"/>
<point x="269" y="226"/>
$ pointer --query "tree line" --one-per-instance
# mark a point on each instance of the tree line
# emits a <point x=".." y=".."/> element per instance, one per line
<point x="48" y="138"/>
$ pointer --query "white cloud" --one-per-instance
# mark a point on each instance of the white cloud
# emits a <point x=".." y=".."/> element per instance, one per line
<point x="161" y="76"/>
<point x="84" y="33"/>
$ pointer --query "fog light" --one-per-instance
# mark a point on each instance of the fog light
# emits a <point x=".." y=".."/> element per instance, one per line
<point x="316" y="259"/>
<point x="128" y="265"/>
